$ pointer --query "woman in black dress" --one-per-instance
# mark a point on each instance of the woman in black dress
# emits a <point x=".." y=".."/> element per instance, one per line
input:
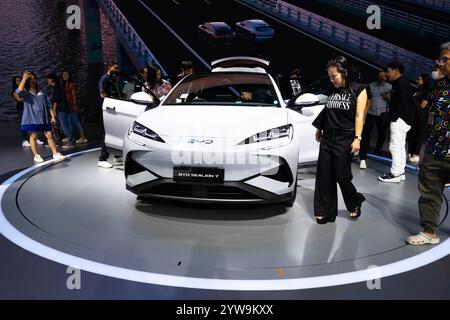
<point x="416" y="135"/>
<point x="339" y="128"/>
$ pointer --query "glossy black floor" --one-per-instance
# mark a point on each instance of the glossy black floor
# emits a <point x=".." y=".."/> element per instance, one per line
<point x="25" y="275"/>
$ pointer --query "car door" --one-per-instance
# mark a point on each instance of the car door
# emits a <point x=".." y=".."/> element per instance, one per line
<point x="251" y="29"/>
<point x="303" y="119"/>
<point x="242" y="29"/>
<point x="118" y="115"/>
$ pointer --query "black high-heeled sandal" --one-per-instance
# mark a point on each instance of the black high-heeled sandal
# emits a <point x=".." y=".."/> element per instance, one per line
<point x="321" y="220"/>
<point x="358" y="213"/>
<point x="325" y="219"/>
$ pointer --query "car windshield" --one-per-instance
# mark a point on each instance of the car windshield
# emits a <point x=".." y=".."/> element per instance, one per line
<point x="223" y="31"/>
<point x="263" y="29"/>
<point x="225" y="88"/>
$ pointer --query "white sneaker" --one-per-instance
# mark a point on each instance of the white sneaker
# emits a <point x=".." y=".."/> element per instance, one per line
<point x="39" y="142"/>
<point x="26" y="144"/>
<point x="421" y="239"/>
<point x="403" y="177"/>
<point x="390" y="178"/>
<point x="38" y="159"/>
<point x="363" y="164"/>
<point x="104" y="164"/>
<point x="58" y="156"/>
<point x="67" y="146"/>
<point x="81" y="141"/>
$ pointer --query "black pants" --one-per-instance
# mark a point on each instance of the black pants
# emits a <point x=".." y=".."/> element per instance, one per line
<point x="334" y="167"/>
<point x="104" y="154"/>
<point x="418" y="132"/>
<point x="382" y="123"/>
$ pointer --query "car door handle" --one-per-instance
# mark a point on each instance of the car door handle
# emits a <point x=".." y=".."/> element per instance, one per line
<point x="111" y="108"/>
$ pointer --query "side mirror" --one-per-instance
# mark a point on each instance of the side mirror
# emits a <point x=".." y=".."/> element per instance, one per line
<point x="142" y="98"/>
<point x="305" y="100"/>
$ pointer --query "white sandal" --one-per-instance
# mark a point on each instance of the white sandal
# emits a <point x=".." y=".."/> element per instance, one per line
<point x="421" y="239"/>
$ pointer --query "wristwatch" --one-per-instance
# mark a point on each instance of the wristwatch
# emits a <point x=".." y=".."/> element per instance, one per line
<point x="358" y="138"/>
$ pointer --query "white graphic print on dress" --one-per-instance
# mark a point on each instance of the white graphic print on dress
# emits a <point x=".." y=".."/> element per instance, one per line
<point x="339" y="101"/>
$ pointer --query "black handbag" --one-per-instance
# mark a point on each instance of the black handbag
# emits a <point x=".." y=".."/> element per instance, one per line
<point x="58" y="133"/>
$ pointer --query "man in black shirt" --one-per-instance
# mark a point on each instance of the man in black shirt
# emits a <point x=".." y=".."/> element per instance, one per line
<point x="108" y="85"/>
<point x="108" y="88"/>
<point x="402" y="112"/>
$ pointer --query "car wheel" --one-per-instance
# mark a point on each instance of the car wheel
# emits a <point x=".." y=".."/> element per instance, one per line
<point x="142" y="199"/>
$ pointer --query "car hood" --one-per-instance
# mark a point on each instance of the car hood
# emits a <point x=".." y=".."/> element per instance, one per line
<point x="212" y="121"/>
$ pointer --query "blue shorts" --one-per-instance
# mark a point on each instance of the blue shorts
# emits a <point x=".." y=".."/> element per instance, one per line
<point x="37" y="127"/>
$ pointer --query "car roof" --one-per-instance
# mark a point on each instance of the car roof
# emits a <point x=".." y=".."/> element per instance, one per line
<point x="258" y="22"/>
<point x="240" y="70"/>
<point x="218" y="24"/>
<point x="244" y="62"/>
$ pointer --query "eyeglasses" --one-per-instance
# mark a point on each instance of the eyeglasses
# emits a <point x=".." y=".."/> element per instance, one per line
<point x="443" y="59"/>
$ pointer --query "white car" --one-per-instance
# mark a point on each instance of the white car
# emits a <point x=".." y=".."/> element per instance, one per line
<point x="225" y="135"/>
<point x="255" y="30"/>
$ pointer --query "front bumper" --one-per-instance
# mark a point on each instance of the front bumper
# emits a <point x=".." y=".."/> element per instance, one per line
<point x="266" y="176"/>
<point x="146" y="183"/>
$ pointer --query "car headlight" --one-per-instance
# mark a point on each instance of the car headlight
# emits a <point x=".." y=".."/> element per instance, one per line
<point x="145" y="132"/>
<point x="272" y="134"/>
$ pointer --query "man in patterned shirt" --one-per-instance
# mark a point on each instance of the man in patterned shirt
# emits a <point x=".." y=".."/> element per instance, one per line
<point x="435" y="167"/>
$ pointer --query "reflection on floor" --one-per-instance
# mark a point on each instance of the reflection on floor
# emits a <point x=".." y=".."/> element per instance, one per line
<point x="88" y="213"/>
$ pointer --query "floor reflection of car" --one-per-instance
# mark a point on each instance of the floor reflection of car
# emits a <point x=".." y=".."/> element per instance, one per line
<point x="216" y="33"/>
<point x="225" y="135"/>
<point x="255" y="30"/>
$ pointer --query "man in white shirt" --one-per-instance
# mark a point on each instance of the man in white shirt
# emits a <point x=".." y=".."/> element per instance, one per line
<point x="377" y="116"/>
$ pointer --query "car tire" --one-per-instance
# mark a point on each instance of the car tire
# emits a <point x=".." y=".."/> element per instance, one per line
<point x="290" y="203"/>
<point x="146" y="200"/>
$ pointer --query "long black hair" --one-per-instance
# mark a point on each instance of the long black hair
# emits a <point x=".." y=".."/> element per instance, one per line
<point x="350" y="74"/>
<point x="152" y="71"/>
<point x="343" y="67"/>
<point x="14" y="85"/>
<point x="27" y="84"/>
<point x="426" y="78"/>
<point x="65" y="83"/>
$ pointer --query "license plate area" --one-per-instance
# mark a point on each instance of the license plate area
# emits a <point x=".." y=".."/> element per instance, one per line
<point x="198" y="174"/>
